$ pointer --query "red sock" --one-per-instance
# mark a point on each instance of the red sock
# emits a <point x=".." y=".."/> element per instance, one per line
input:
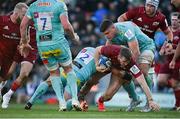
<point x="177" y="97"/>
<point x="15" y="86"/>
<point x="101" y="99"/>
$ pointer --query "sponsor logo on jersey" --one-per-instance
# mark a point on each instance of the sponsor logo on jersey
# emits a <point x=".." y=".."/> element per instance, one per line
<point x="36" y="15"/>
<point x="129" y="34"/>
<point x="155" y="23"/>
<point x="44" y="4"/>
<point x="139" y="19"/>
<point x="6" y="27"/>
<point x="176" y="37"/>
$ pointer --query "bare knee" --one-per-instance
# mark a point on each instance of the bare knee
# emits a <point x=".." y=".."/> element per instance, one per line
<point x="162" y="80"/>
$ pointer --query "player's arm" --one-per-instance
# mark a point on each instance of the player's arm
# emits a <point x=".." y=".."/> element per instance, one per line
<point x="97" y="55"/>
<point x="127" y="16"/>
<point x="23" y="30"/>
<point x="141" y="80"/>
<point x="134" y="46"/>
<point x="169" y="35"/>
<point x="175" y="57"/>
<point x="122" y="18"/>
<point x="68" y="27"/>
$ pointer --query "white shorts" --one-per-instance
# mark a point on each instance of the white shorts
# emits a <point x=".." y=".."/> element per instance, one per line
<point x="146" y="57"/>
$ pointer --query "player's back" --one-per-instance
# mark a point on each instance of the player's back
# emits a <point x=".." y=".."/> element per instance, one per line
<point x="84" y="63"/>
<point x="143" y="40"/>
<point x="45" y="14"/>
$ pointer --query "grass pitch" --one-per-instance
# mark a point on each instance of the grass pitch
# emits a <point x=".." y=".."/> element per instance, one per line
<point x="51" y="111"/>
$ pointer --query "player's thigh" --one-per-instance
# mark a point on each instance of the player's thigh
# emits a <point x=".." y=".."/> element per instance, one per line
<point x="5" y="65"/>
<point x="66" y="59"/>
<point x="145" y="60"/>
<point x="26" y="68"/>
<point x="47" y="55"/>
<point x="163" y="78"/>
<point x="114" y="84"/>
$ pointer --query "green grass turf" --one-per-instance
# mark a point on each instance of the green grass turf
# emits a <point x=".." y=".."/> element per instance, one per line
<point x="51" y="111"/>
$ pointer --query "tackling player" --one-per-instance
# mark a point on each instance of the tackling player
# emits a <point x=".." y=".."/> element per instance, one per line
<point x="84" y="67"/>
<point x="130" y="35"/>
<point x="122" y="62"/>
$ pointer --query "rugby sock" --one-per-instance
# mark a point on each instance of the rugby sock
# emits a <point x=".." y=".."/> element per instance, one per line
<point x="15" y="86"/>
<point x="69" y="105"/>
<point x="58" y="88"/>
<point x="41" y="89"/>
<point x="101" y="99"/>
<point x="149" y="82"/>
<point x="177" y="97"/>
<point x="130" y="88"/>
<point x="71" y="80"/>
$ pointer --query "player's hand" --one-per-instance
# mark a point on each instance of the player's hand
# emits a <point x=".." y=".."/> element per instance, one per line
<point x="101" y="68"/>
<point x="24" y="49"/>
<point x="77" y="39"/>
<point x="154" y="106"/>
<point x="172" y="64"/>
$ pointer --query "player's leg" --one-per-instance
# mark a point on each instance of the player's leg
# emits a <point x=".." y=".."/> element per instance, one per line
<point x="114" y="85"/>
<point x="145" y="61"/>
<point x="135" y="99"/>
<point x="88" y="85"/>
<point x="41" y="89"/>
<point x="71" y="81"/>
<point x="174" y="82"/>
<point x="66" y="62"/>
<point x="6" y="71"/>
<point x="26" y="68"/>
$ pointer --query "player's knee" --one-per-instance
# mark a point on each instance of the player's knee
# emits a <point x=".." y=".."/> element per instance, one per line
<point x="162" y="82"/>
<point x="24" y="74"/>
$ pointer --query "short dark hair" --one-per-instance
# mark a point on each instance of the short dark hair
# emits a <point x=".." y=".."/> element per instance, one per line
<point x="126" y="52"/>
<point x="105" y="25"/>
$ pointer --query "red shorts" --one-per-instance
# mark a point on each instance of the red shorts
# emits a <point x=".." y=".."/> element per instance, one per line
<point x="174" y="73"/>
<point x="5" y="64"/>
<point x="30" y="58"/>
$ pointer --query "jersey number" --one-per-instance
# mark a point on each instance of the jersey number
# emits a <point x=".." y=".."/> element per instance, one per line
<point x="44" y="21"/>
<point x="86" y="58"/>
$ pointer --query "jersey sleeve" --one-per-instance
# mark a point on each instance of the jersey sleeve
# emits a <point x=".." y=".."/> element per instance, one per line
<point x="135" y="71"/>
<point x="129" y="35"/>
<point x="29" y="13"/>
<point x="131" y="14"/>
<point x="62" y="8"/>
<point x="163" y="24"/>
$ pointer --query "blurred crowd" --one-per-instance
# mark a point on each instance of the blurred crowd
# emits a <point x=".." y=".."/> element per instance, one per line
<point x="85" y="16"/>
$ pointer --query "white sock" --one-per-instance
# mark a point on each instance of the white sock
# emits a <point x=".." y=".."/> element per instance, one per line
<point x="10" y="92"/>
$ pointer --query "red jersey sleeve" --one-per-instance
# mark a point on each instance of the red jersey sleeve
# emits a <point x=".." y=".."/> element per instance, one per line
<point x="163" y="23"/>
<point x="135" y="71"/>
<point x="132" y="13"/>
